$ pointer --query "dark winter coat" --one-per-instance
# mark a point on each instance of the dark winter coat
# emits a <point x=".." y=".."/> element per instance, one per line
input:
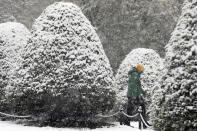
<point x="134" y="84"/>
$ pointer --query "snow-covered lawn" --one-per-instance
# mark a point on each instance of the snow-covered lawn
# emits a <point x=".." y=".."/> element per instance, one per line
<point x="10" y="126"/>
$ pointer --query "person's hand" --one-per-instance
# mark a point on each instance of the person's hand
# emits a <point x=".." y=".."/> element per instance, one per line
<point x="133" y="98"/>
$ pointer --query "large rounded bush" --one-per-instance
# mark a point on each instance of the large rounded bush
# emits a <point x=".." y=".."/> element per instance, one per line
<point x="13" y="38"/>
<point x="153" y="65"/>
<point x="65" y="77"/>
<point x="176" y="107"/>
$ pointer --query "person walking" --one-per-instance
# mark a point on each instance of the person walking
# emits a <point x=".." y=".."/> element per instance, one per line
<point x="135" y="91"/>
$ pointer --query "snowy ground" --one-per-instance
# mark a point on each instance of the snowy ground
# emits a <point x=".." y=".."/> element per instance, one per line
<point x="10" y="126"/>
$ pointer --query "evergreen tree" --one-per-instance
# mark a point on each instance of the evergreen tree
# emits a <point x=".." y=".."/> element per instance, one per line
<point x="177" y="105"/>
<point x="13" y="38"/>
<point x="65" y="78"/>
<point x="153" y="65"/>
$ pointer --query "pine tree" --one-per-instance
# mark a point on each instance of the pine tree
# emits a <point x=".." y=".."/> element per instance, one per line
<point x="65" y="77"/>
<point x="153" y="65"/>
<point x="177" y="105"/>
<point x="13" y="38"/>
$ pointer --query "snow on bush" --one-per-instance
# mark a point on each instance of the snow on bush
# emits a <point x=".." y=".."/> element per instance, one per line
<point x="65" y="77"/>
<point x="156" y="97"/>
<point x="177" y="107"/>
<point x="13" y="38"/>
<point x="153" y="65"/>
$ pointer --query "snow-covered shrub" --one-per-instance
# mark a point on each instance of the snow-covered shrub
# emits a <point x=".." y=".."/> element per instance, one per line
<point x="157" y="94"/>
<point x="153" y="65"/>
<point x="177" y="105"/>
<point x="65" y="77"/>
<point x="13" y="38"/>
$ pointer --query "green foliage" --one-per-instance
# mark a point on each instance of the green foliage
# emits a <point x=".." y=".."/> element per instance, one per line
<point x="176" y="107"/>
<point x="65" y="78"/>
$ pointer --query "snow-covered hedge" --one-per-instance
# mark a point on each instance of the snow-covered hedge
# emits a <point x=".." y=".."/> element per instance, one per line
<point x="153" y="65"/>
<point x="65" y="77"/>
<point x="177" y="106"/>
<point x="13" y="38"/>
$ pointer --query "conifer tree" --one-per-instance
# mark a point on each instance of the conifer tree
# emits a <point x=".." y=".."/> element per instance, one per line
<point x="153" y="65"/>
<point x="13" y="38"/>
<point x="177" y="105"/>
<point x="65" y="77"/>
